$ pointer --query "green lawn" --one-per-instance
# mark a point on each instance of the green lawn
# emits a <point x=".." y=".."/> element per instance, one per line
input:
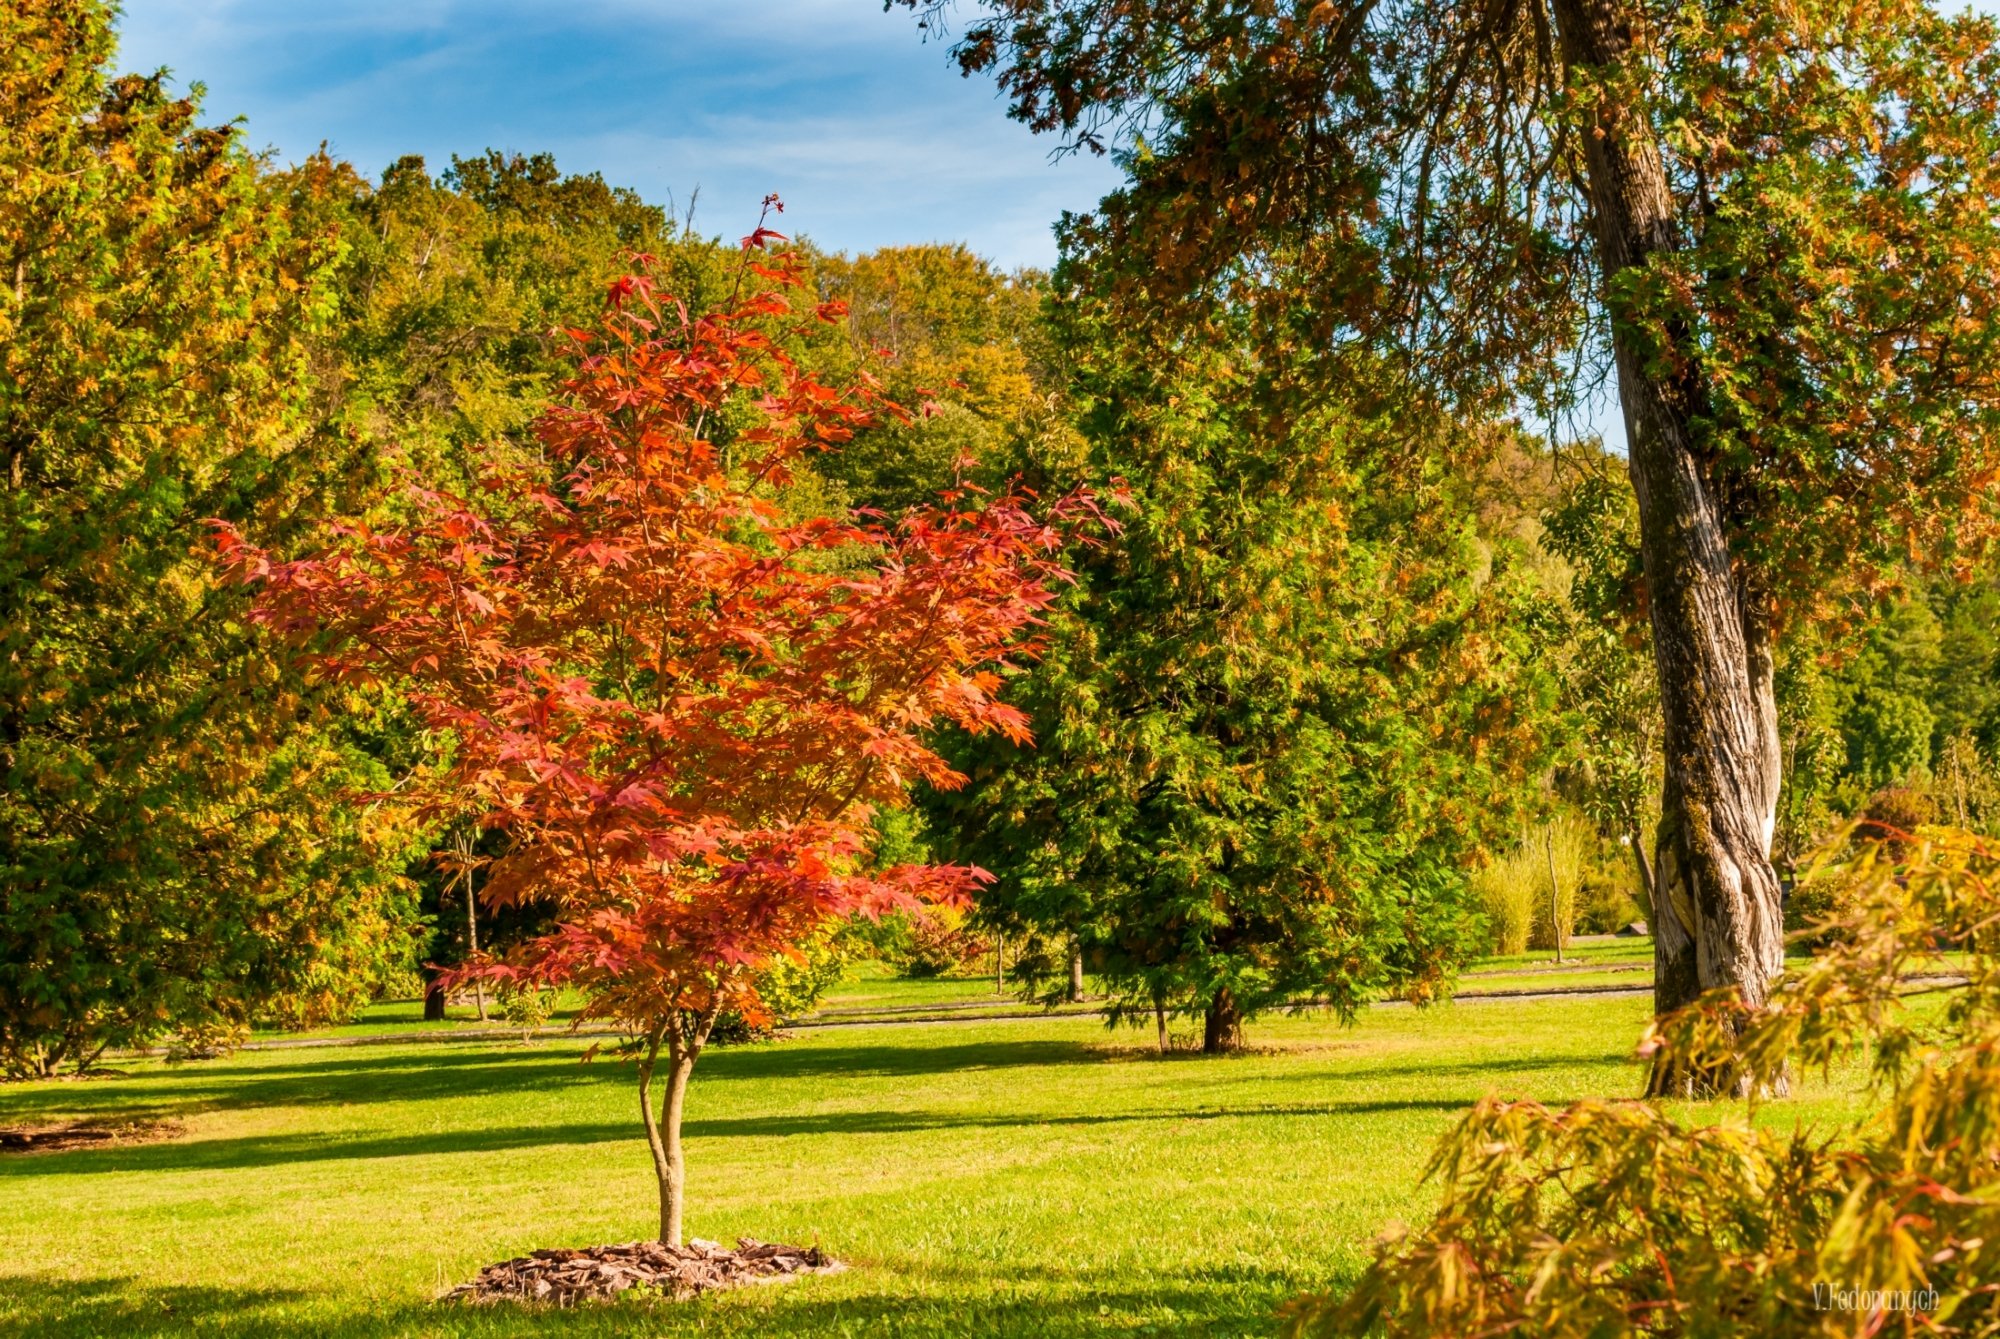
<point x="1033" y="1178"/>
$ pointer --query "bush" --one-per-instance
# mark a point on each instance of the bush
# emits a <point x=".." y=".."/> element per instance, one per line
<point x="1605" y="906"/>
<point x="1895" y="813"/>
<point x="787" y="988"/>
<point x="942" y="944"/>
<point x="525" y="1006"/>
<point x="1614" y="1218"/>
<point x="205" y="1041"/>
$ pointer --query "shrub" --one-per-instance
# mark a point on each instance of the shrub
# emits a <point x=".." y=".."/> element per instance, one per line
<point x="205" y="1041"/>
<point x="942" y="944"/>
<point x="1611" y="1218"/>
<point x="1894" y="813"/>
<point x="1605" y="906"/>
<point x="525" y="1006"/>
<point x="788" y="988"/>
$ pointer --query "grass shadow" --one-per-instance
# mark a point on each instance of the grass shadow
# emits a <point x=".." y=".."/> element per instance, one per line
<point x="348" y="1080"/>
<point x="204" y="1155"/>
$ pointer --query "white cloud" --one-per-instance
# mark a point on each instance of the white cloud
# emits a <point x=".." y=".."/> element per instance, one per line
<point x="869" y="132"/>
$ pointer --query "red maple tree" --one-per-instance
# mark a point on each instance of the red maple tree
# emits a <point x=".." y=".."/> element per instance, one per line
<point x="679" y="706"/>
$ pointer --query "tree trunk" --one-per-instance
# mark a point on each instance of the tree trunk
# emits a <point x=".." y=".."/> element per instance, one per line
<point x="1555" y="892"/>
<point x="999" y="964"/>
<point x="1637" y="841"/>
<point x="1222" y="1029"/>
<point x="433" y="1000"/>
<point x="472" y="938"/>
<point x="1160" y="1019"/>
<point x="1076" y="973"/>
<point x="1717" y="920"/>
<point x="465" y="845"/>
<point x="684" y="1040"/>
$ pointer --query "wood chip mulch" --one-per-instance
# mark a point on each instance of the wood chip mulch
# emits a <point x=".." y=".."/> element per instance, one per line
<point x="565" y="1277"/>
<point x="85" y="1134"/>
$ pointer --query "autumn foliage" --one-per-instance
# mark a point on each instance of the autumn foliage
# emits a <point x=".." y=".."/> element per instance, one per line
<point x="1621" y="1217"/>
<point x="681" y="703"/>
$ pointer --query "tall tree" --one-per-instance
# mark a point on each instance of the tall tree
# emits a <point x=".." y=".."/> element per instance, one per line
<point x="1218" y="810"/>
<point x="966" y="346"/>
<point x="166" y="853"/>
<point x="679" y="707"/>
<point x="1772" y="221"/>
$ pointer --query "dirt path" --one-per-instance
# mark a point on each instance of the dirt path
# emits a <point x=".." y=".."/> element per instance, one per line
<point x="961" y="1013"/>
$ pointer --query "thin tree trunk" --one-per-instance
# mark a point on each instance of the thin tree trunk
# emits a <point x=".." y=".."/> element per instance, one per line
<point x="1076" y="972"/>
<point x="465" y="846"/>
<point x="472" y="937"/>
<point x="1222" y="1029"/>
<point x="1555" y="891"/>
<point x="673" y="1175"/>
<point x="1160" y="1018"/>
<point x="999" y="964"/>
<point x="655" y="1141"/>
<point x="683" y="1039"/>
<point x="1717" y="915"/>
<point x="1637" y="841"/>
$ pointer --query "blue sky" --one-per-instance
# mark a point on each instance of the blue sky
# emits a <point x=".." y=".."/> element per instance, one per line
<point x="869" y="134"/>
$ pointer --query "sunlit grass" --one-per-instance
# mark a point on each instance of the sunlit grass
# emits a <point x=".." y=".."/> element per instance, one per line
<point x="1037" y="1178"/>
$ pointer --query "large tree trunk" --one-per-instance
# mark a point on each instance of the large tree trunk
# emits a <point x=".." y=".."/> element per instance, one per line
<point x="1222" y="1029"/>
<point x="1717" y="920"/>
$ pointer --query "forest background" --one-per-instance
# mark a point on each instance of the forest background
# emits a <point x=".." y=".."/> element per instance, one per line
<point x="1310" y="724"/>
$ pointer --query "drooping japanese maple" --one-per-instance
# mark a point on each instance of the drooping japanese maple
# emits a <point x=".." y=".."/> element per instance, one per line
<point x="680" y="704"/>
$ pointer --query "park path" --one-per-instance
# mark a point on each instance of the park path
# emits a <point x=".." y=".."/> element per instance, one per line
<point x="908" y="1015"/>
<point x="980" y="1011"/>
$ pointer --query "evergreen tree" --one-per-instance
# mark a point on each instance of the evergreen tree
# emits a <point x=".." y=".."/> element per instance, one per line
<point x="1278" y="713"/>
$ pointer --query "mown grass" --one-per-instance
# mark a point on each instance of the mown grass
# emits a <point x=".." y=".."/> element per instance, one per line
<point x="1036" y="1178"/>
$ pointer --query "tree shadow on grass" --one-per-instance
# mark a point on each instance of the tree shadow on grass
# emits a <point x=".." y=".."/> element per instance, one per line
<point x="787" y="1059"/>
<point x="160" y="1094"/>
<point x="42" y="1305"/>
<point x="430" y="1075"/>
<point x="1549" y="1064"/>
<point x="981" y="1303"/>
<point x="203" y="1155"/>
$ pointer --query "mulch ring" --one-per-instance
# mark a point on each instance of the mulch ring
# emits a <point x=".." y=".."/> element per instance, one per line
<point x="564" y="1277"/>
<point x="85" y="1134"/>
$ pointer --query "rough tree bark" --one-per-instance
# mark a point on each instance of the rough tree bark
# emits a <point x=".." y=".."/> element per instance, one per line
<point x="1717" y="920"/>
<point x="1222" y="1029"/>
<point x="1637" y="841"/>
<point x="683" y="1039"/>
